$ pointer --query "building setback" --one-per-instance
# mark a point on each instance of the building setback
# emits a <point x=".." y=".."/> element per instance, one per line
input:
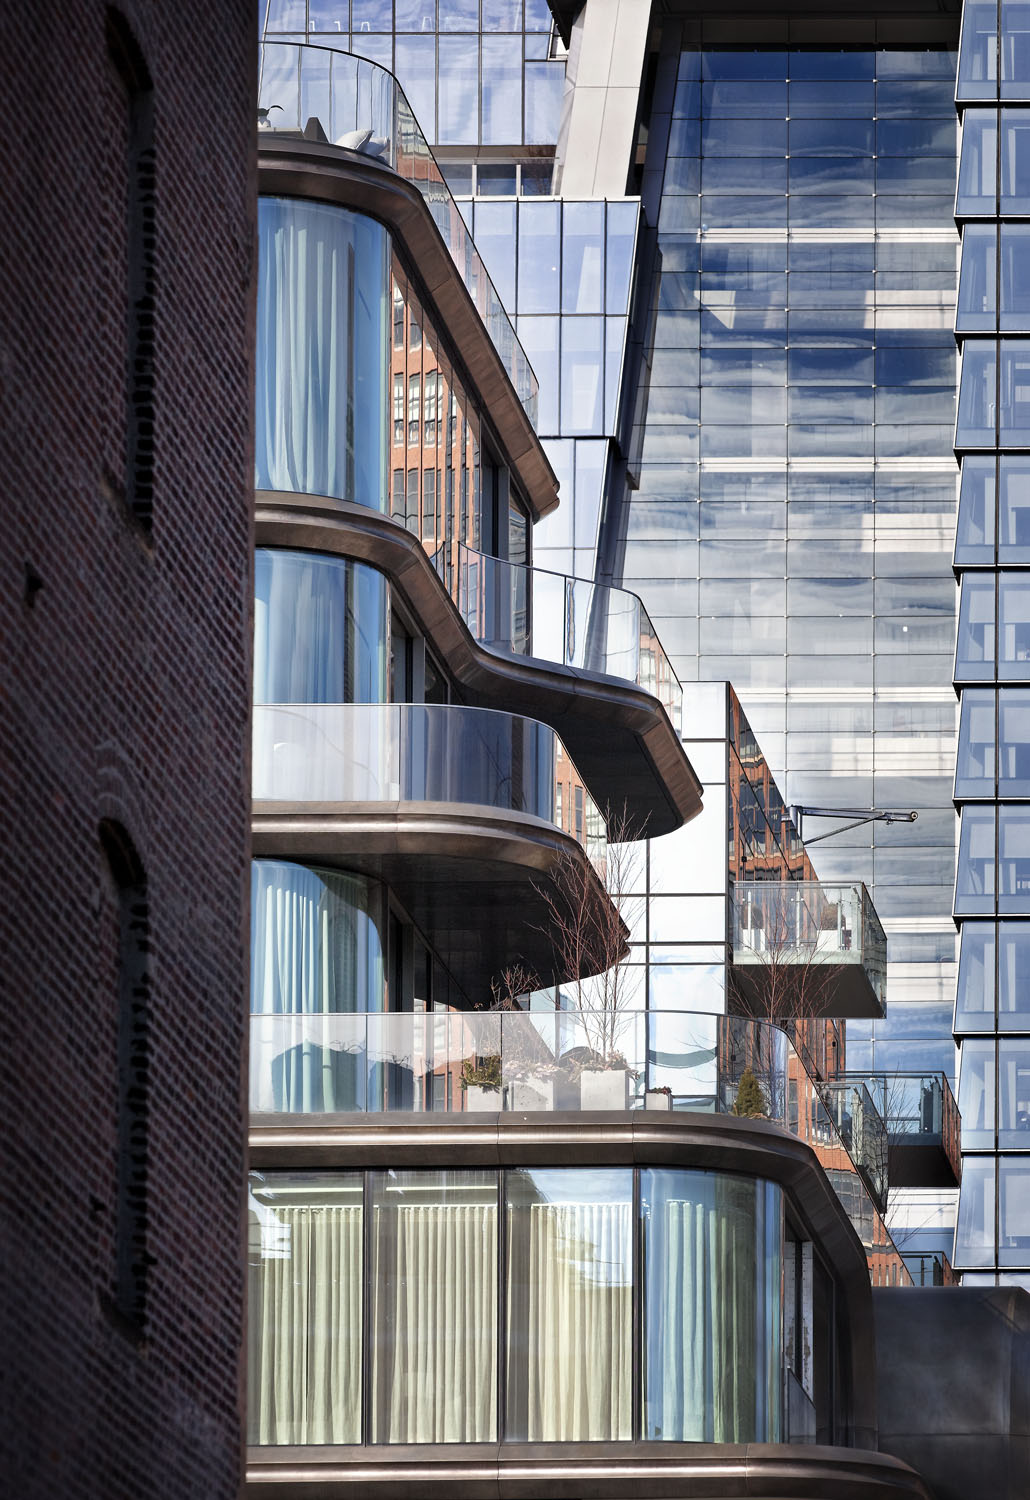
<point x="125" y="617"/>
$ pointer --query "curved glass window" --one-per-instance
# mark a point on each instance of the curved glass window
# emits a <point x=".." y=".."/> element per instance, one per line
<point x="322" y="352"/>
<point x="712" y="1323"/>
<point x="570" y="1286"/>
<point x="321" y="629"/>
<point x="316" y="959"/>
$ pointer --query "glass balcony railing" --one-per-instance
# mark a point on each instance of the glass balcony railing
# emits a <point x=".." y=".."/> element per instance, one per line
<point x="362" y="107"/>
<point x="932" y="1268"/>
<point x="517" y="610"/>
<point x="918" y="1110"/>
<point x="421" y="752"/>
<point x="800" y="934"/>
<point x="851" y="1107"/>
<point x="472" y="1062"/>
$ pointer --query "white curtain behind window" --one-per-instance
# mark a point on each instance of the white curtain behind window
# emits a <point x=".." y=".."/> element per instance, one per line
<point x="569" y="1362"/>
<point x="434" y="1323"/>
<point x="304" y="1353"/>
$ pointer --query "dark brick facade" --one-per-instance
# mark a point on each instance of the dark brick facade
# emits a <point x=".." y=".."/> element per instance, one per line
<point x="125" y="609"/>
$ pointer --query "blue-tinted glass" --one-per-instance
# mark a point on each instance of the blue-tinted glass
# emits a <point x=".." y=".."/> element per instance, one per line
<point x="377" y="49"/>
<point x="621" y="234"/>
<point x="686" y="102"/>
<point x="917" y="174"/>
<point x="831" y="174"/>
<point x="371" y="15"/>
<point x="415" y="15"/>
<point x="415" y="66"/>
<point x="543" y="84"/>
<point x="830" y="366"/>
<point x="743" y="64"/>
<point x="976" y="1094"/>
<point x="974" y="657"/>
<point x="1015" y="277"/>
<point x="502" y="86"/>
<point x="977" y="308"/>
<point x="1013" y="742"/>
<point x="1013" y="961"/>
<point x="328" y="15"/>
<point x="916" y="138"/>
<point x="536" y="178"/>
<point x="831" y="137"/>
<point x="494" y="234"/>
<point x="978" y="53"/>
<point x="1014" y="510"/>
<point x="682" y="175"/>
<point x="751" y="326"/>
<point x="679" y="214"/>
<point x="977" y="173"/>
<point x="582" y="375"/>
<point x="821" y="211"/>
<point x="538" y="15"/>
<point x="684" y="137"/>
<point x="744" y="174"/>
<point x="536" y="45"/>
<point x="848" y="63"/>
<point x="502" y="15"/>
<point x="851" y="405"/>
<point x="974" y="1234"/>
<point x="1015" y="49"/>
<point x="746" y="101"/>
<point x="456" y="15"/>
<point x="974" y="532"/>
<point x="1014" y="1171"/>
<point x="929" y="62"/>
<point x="974" y="1004"/>
<point x="975" y="877"/>
<point x="459" y="85"/>
<point x="827" y="326"/>
<point x="732" y="137"/>
<point x="1014" y="394"/>
<point x="830" y="100"/>
<point x="977" y="396"/>
<point x="975" y="761"/>
<point x="919" y="100"/>
<point x="496" y="179"/>
<point x="539" y="257"/>
<point x="1015" y="162"/>
<point x="1014" y="625"/>
<point x="284" y="15"/>
<point x="1014" y="858"/>
<point x="733" y="366"/>
<point x="749" y="212"/>
<point x="925" y="211"/>
<point x="539" y="338"/>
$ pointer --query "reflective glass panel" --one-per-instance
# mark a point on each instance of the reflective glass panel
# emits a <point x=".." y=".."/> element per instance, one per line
<point x="1015" y="49"/>
<point x="321" y="629"/>
<point x="974" y="879"/>
<point x="976" y="1094"/>
<point x="1014" y="976"/>
<point x="1014" y="1209"/>
<point x="569" y="1305"/>
<point x="974" y="1003"/>
<point x="977" y="173"/>
<point x="977" y="309"/>
<point x="974" y="533"/>
<point x="1014" y="742"/>
<point x="974" y="656"/>
<point x="433" y="1330"/>
<point x="1014" y="858"/>
<point x="1013" y="625"/>
<point x="978" y="53"/>
<point x="978" y="396"/>
<point x="304" y="1350"/>
<point x="712" y="1315"/>
<point x="974" y="771"/>
<point x="1014" y="1095"/>
<point x="1015" y="162"/>
<point x="974" y="1235"/>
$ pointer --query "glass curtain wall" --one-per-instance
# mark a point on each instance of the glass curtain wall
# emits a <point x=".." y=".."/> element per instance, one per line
<point x="992" y="885"/>
<point x="792" y="525"/>
<point x="384" y="1309"/>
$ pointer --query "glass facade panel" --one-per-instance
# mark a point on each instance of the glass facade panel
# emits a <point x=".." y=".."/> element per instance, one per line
<point x="433" y="1320"/>
<point x="1015" y="50"/>
<point x="978" y="397"/>
<point x="975" y="764"/>
<point x="1014" y="1209"/>
<point x="974" y="532"/>
<point x="977" y="310"/>
<point x="304" y="1349"/>
<point x="569" y="1313"/>
<point x="978" y="52"/>
<point x="976" y="1095"/>
<point x="974" y="1235"/>
<point x="1014" y="625"/>
<point x="1014" y="509"/>
<point x="323" y="297"/>
<point x="1013" y="1099"/>
<point x="1013" y="976"/>
<point x="713" y="1263"/>
<point x="974" y="1004"/>
<point x="974" y="879"/>
<point x="977" y="176"/>
<point x="974" y="654"/>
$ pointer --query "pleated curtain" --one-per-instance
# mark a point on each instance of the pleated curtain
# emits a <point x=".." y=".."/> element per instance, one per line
<point x="569" y="1360"/>
<point x="304" y="1354"/>
<point x="316" y="955"/>
<point x="434" y="1323"/>
<point x="701" y="1335"/>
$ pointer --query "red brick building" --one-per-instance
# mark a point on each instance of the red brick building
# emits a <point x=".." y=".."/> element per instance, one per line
<point x="125" y="601"/>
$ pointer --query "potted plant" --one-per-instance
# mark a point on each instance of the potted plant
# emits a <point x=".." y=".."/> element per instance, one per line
<point x="604" y="1081"/>
<point x="658" y="1098"/>
<point x="750" y="1102"/>
<point x="481" y="1083"/>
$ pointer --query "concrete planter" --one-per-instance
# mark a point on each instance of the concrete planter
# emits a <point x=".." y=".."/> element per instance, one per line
<point x="482" y="1101"/>
<point x="604" y="1090"/>
<point x="653" y="1100"/>
<point x="531" y="1094"/>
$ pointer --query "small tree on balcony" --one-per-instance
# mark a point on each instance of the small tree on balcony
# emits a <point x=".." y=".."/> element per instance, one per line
<point x="750" y="1102"/>
<point x="588" y="922"/>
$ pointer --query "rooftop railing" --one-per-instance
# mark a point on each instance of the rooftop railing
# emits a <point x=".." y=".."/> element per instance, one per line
<point x="516" y="610"/>
<point x="536" y="1062"/>
<point x="361" y="107"/>
<point x="863" y="1132"/>
<point x="799" y="925"/>
<point x="421" y="752"/>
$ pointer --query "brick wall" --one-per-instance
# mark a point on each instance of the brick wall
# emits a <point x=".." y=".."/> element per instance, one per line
<point x="124" y="696"/>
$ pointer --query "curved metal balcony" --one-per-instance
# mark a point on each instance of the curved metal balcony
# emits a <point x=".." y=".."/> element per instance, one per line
<point x="447" y="1063"/>
<point x="472" y="816"/>
<point x="361" y="107"/>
